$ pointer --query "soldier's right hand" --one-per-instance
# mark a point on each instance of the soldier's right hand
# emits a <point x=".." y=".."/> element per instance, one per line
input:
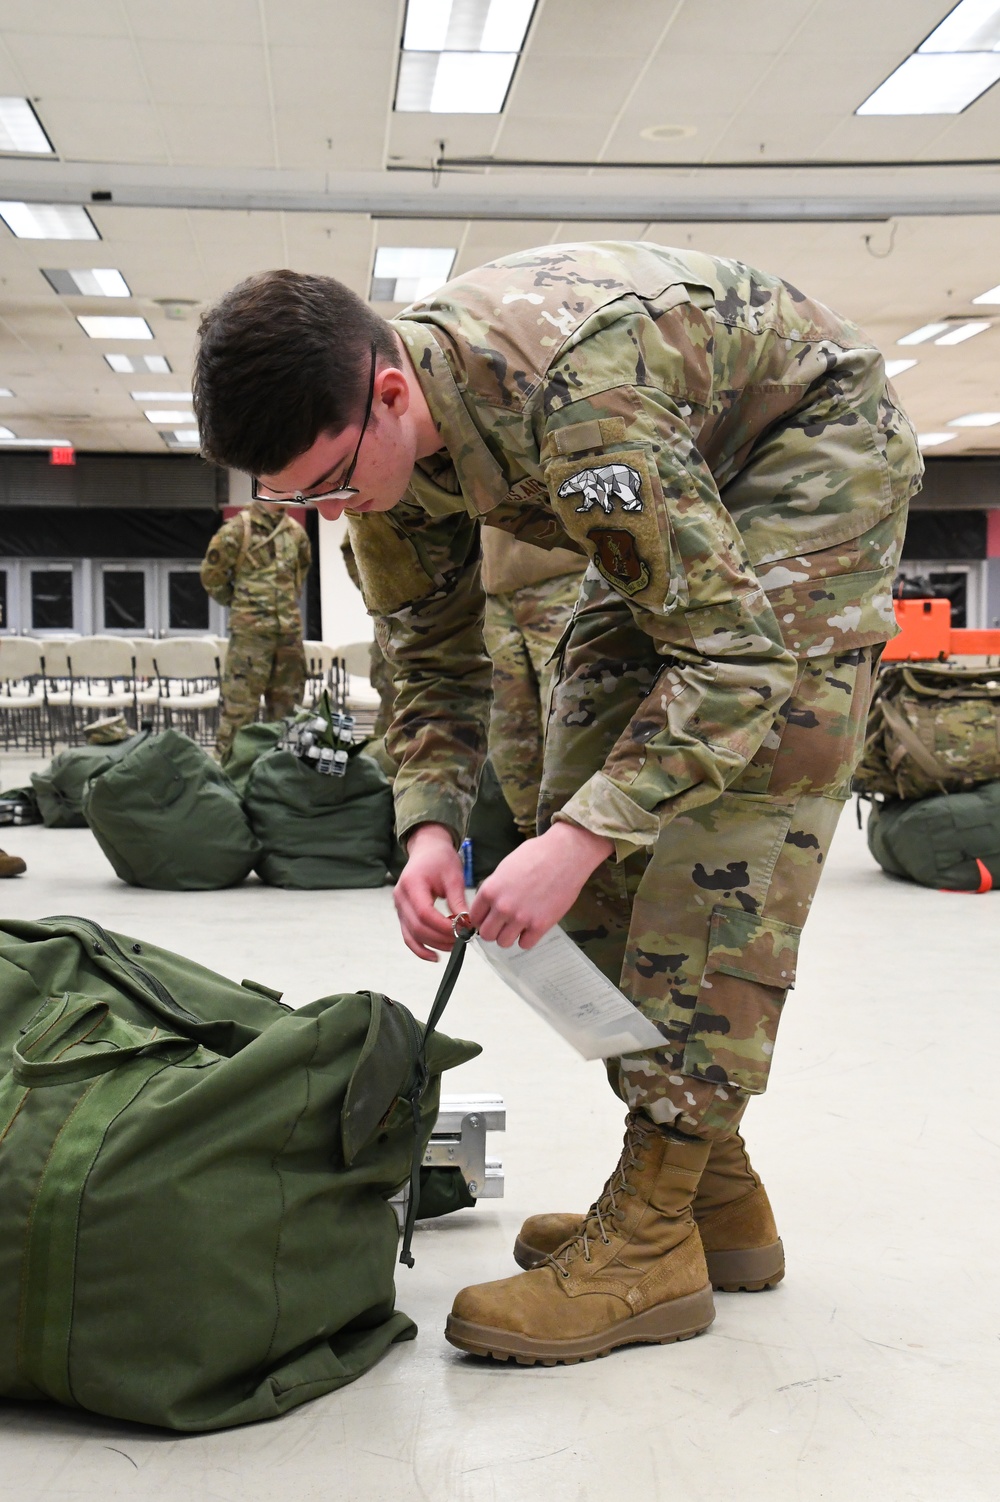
<point x="433" y="870"/>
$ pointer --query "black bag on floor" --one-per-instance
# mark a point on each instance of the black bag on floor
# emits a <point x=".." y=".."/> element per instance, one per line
<point x="166" y="816"/>
<point x="951" y="842"/>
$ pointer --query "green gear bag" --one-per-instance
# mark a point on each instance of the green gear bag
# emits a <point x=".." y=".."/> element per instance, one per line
<point x="320" y="831"/>
<point x="59" y="789"/>
<point x="248" y="744"/>
<point x="950" y="842"/>
<point x="167" y="817"/>
<point x="933" y="728"/>
<point x="194" y="1180"/>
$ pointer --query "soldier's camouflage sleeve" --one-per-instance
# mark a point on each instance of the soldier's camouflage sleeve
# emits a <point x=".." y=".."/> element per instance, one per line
<point x="218" y="563"/>
<point x="420" y="579"/>
<point x="628" y="483"/>
<point x="304" y="558"/>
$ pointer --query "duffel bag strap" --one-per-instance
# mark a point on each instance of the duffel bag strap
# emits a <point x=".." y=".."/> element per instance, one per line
<point x="924" y="758"/>
<point x="463" y="931"/>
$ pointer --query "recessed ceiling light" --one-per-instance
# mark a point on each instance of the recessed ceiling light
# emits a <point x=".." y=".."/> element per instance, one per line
<point x="972" y="26"/>
<point x="21" y="129"/>
<point x="139" y="364"/>
<point x="943" y="83"/>
<point x="6" y="391"/>
<point x="459" y="56"/>
<point x="101" y="281"/>
<point x="115" y="328"/>
<point x="165" y="416"/>
<point x="894" y="368"/>
<point x="925" y="332"/>
<point x="6" y="433"/>
<point x="993" y="295"/>
<point x="36" y="443"/>
<point x="931" y="440"/>
<point x="48" y="221"/>
<point x="161" y="396"/>
<point x="181" y="438"/>
<point x="976" y="420"/>
<point x="962" y="332"/>
<point x="407" y="273"/>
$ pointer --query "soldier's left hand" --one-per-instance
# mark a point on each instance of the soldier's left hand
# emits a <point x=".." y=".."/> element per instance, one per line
<point x="537" y="884"/>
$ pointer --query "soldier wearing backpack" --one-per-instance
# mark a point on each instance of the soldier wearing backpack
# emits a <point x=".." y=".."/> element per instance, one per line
<point x="256" y="564"/>
<point x="729" y="456"/>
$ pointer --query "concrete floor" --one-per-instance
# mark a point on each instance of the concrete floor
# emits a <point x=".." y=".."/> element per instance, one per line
<point x="872" y="1372"/>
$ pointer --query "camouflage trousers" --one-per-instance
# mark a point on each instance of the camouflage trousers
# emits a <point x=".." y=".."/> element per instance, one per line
<point x="259" y="663"/>
<point x="522" y="631"/>
<point x="702" y="933"/>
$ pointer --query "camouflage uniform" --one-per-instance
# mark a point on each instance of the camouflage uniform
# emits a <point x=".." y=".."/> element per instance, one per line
<point x="530" y="594"/>
<point x="729" y="455"/>
<point x="260" y="578"/>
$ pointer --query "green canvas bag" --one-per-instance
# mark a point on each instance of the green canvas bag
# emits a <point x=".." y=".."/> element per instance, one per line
<point x="249" y="744"/>
<point x="166" y="816"/>
<point x="194" y="1226"/>
<point x="933" y="728"/>
<point x="59" y="789"/>
<point x="320" y="831"/>
<point x="951" y="842"/>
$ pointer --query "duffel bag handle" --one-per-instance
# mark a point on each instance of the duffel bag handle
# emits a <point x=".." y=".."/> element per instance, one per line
<point x="41" y="1055"/>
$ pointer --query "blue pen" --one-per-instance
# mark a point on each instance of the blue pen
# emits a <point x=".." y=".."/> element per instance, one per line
<point x="465" y="851"/>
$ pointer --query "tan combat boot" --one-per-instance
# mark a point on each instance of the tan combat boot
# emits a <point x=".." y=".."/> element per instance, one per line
<point x="635" y="1272"/>
<point x="11" y="865"/>
<point x="731" y="1208"/>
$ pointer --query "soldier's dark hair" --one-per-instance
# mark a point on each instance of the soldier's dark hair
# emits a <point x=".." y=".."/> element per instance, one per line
<point x="282" y="358"/>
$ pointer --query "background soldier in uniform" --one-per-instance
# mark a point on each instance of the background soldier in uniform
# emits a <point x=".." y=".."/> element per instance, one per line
<point x="256" y="564"/>
<point x="727" y="452"/>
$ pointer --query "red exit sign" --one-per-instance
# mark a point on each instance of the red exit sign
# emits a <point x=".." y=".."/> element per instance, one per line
<point x="62" y="456"/>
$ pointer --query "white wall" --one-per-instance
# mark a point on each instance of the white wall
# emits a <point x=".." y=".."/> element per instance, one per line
<point x="345" y="618"/>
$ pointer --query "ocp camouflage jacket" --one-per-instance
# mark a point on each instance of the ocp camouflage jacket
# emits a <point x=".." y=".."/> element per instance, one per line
<point x="724" y="449"/>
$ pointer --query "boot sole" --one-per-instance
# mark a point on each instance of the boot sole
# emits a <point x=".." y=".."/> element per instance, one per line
<point x="678" y="1319"/>
<point x="746" y="1271"/>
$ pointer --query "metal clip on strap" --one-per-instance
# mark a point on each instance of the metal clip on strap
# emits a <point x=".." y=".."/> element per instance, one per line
<point x="462" y="928"/>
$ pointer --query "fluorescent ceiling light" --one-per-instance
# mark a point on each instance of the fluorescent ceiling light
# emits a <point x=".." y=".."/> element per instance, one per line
<point x="101" y="281"/>
<point x="161" y="396"/>
<point x="454" y="83"/>
<point x="993" y="295"/>
<point x="459" y="55"/>
<point x="6" y="433"/>
<point x="976" y="420"/>
<point x="181" y="438"/>
<point x="37" y="443"/>
<point x="931" y="440"/>
<point x="894" y="368"/>
<point x="6" y="391"/>
<point x="925" y="332"/>
<point x="943" y="83"/>
<point x="48" y="221"/>
<point x="466" y="25"/>
<point x="962" y="332"/>
<point x="973" y="26"/>
<point x="165" y="416"/>
<point x="139" y="364"/>
<point x="406" y="274"/>
<point x="115" y="328"/>
<point x="21" y="129"/>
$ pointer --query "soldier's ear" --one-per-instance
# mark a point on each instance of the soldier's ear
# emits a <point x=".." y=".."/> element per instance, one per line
<point x="392" y="391"/>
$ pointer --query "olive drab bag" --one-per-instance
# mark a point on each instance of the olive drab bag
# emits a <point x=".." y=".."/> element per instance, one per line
<point x="950" y="842"/>
<point x="60" y="787"/>
<point x="933" y="728"/>
<point x="166" y="816"/>
<point x="194" y="1180"/>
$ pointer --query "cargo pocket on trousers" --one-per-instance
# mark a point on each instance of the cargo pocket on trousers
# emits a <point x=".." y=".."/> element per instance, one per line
<point x="749" y="969"/>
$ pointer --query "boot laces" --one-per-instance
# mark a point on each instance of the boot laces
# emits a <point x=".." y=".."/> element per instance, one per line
<point x="604" y="1211"/>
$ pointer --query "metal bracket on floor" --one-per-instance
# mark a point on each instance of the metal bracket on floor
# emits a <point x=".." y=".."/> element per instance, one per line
<point x="458" y="1141"/>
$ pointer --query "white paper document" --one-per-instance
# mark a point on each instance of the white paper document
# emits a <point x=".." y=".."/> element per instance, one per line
<point x="558" y="982"/>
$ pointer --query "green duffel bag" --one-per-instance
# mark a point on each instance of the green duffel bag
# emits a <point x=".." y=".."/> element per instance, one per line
<point x="934" y="727"/>
<point x="950" y="842"/>
<point x="166" y="816"/>
<point x="249" y="744"/>
<point x="317" y="830"/>
<point x="194" y="1181"/>
<point x="59" y="789"/>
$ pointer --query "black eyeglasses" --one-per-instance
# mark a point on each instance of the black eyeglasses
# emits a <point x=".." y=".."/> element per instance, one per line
<point x="345" y="490"/>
